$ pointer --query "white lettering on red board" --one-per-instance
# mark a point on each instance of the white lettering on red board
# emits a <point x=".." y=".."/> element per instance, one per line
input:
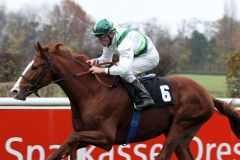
<point x="221" y="149"/>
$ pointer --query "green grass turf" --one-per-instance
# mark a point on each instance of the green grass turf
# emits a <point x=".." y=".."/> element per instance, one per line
<point x="215" y="84"/>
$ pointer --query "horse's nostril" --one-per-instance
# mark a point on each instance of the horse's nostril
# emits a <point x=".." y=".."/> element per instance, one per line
<point x="14" y="92"/>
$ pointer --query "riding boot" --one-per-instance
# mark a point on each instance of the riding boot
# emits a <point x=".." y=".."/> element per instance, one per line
<point x="144" y="95"/>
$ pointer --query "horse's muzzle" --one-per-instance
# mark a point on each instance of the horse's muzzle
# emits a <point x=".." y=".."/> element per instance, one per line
<point x="20" y="94"/>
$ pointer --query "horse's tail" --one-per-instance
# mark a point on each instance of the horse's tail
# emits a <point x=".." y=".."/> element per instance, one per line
<point x="227" y="109"/>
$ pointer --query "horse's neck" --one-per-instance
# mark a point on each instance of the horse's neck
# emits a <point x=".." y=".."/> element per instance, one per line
<point x="79" y="89"/>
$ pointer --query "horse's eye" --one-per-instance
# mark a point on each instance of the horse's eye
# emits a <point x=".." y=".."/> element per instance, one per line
<point x="34" y="67"/>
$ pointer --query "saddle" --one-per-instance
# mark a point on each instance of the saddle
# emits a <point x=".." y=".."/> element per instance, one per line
<point x="158" y="87"/>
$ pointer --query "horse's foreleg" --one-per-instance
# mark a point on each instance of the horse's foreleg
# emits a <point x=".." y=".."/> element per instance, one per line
<point x="96" y="138"/>
<point x="57" y="155"/>
<point x="79" y="140"/>
<point x="73" y="152"/>
<point x="63" y="151"/>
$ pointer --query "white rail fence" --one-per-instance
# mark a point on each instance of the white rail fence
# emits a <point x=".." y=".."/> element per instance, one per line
<point x="35" y="103"/>
<point x="54" y="103"/>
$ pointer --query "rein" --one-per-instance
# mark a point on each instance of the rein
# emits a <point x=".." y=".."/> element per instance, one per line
<point x="96" y="75"/>
<point x="35" y="86"/>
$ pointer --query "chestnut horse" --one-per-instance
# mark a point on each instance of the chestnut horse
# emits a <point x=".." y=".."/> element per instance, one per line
<point x="101" y="116"/>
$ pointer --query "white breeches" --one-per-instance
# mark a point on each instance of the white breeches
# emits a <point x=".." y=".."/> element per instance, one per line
<point x="141" y="64"/>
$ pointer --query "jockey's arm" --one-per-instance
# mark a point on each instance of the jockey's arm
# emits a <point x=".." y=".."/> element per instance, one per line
<point x="126" y="55"/>
<point x="106" y="56"/>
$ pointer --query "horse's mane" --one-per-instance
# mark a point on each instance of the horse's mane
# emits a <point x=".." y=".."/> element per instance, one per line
<point x="80" y="57"/>
<point x="54" y="46"/>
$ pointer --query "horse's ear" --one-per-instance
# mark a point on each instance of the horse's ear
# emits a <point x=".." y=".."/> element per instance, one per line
<point x="39" y="48"/>
<point x="58" y="45"/>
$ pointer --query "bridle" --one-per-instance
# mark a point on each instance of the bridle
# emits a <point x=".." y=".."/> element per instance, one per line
<point x="36" y="84"/>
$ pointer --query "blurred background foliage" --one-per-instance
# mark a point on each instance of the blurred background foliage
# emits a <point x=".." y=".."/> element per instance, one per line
<point x="233" y="74"/>
<point x="198" y="47"/>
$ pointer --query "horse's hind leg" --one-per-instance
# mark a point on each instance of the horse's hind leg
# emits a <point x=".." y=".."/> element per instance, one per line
<point x="183" y="151"/>
<point x="173" y="139"/>
<point x="184" y="125"/>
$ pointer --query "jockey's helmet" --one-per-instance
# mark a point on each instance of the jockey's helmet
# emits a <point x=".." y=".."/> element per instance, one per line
<point x="102" y="28"/>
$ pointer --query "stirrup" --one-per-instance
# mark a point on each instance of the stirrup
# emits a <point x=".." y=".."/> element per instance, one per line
<point x="143" y="107"/>
<point x="136" y="108"/>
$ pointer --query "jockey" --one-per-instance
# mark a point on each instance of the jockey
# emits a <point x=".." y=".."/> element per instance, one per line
<point x="137" y="54"/>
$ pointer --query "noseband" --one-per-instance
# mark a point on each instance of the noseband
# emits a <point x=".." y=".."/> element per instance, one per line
<point x="36" y="85"/>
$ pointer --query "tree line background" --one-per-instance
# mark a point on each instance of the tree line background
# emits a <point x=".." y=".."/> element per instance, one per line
<point x="198" y="46"/>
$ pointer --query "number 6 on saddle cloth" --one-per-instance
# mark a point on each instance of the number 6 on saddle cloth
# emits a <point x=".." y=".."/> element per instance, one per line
<point x="158" y="88"/>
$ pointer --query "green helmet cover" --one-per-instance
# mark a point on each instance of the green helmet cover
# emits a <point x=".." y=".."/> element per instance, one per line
<point x="102" y="28"/>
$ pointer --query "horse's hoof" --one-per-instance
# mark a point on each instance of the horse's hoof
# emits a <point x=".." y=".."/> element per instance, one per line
<point x="64" y="156"/>
<point x="53" y="157"/>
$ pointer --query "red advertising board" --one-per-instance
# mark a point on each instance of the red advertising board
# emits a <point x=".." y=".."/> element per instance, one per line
<point x="33" y="134"/>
